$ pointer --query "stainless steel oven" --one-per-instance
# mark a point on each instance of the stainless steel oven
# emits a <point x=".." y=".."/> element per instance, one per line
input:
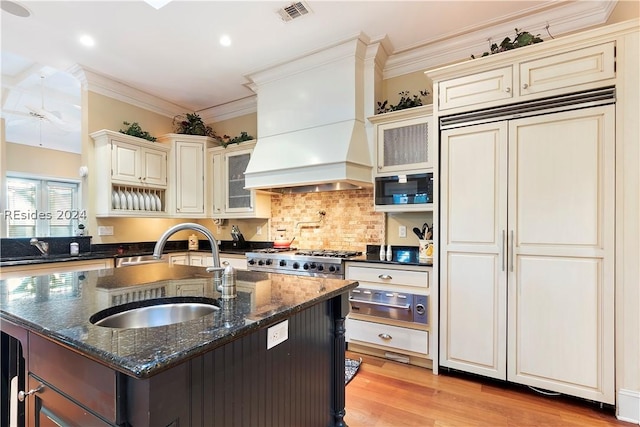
<point x="389" y="305"/>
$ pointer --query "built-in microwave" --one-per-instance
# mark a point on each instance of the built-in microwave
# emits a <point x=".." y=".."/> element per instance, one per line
<point x="398" y="190"/>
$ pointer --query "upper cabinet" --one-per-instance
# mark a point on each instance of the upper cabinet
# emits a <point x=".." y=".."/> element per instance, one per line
<point x="546" y="75"/>
<point x="227" y="196"/>
<point x="403" y="140"/>
<point x="187" y="173"/>
<point x="131" y="175"/>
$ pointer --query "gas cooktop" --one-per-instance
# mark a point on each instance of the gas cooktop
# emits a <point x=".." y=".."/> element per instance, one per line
<point x="307" y="262"/>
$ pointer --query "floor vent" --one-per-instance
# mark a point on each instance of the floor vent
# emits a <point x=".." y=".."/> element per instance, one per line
<point x="293" y="11"/>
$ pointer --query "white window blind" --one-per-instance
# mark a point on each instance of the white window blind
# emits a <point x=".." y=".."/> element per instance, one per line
<point x="39" y="207"/>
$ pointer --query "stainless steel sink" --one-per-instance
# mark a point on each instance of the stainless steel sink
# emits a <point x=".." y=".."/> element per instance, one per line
<point x="156" y="312"/>
<point x="140" y="259"/>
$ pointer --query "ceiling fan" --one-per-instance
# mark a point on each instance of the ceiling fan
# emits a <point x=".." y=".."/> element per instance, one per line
<point x="53" y="117"/>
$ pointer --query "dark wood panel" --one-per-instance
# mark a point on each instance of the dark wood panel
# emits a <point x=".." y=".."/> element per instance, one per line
<point x="87" y="382"/>
<point x="244" y="384"/>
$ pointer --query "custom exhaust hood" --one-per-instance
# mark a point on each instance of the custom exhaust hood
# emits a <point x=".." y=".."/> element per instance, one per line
<point x="311" y="128"/>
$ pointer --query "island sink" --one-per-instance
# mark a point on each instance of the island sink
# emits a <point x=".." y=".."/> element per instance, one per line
<point x="155" y="312"/>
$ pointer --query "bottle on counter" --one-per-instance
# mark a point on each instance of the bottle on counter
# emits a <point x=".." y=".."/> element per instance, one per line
<point x="74" y="249"/>
<point x="382" y="253"/>
<point x="389" y="253"/>
<point x="229" y="282"/>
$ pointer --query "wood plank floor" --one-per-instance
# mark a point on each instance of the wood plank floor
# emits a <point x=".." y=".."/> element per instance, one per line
<point x="390" y="394"/>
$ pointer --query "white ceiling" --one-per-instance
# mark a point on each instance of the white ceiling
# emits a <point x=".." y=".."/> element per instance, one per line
<point x="173" y="52"/>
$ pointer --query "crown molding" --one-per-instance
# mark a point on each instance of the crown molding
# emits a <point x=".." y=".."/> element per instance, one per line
<point x="232" y="109"/>
<point x="573" y="17"/>
<point x="98" y="83"/>
<point x="447" y="49"/>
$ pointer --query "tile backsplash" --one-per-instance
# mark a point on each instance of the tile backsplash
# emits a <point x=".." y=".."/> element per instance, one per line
<point x="349" y="222"/>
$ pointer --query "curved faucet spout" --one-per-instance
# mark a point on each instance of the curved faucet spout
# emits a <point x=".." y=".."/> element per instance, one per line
<point x="157" y="250"/>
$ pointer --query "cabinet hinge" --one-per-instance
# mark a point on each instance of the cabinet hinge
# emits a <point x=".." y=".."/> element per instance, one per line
<point x="615" y="59"/>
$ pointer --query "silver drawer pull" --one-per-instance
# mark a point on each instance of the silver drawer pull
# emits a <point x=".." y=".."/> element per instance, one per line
<point x="385" y="277"/>
<point x="384" y="336"/>
<point x="22" y="395"/>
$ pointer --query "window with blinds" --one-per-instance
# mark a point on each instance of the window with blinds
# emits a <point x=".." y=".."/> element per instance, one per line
<point x="39" y="207"/>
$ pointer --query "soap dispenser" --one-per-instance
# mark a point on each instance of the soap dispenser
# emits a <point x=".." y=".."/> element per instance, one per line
<point x="229" y="282"/>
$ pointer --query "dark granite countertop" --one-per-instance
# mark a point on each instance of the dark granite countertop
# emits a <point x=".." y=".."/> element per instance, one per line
<point x="61" y="312"/>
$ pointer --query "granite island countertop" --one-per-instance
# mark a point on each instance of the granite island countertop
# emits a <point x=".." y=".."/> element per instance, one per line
<point x="60" y="310"/>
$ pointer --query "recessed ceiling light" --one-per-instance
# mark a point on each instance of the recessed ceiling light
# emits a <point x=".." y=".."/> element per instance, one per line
<point x="225" y="40"/>
<point x="14" y="8"/>
<point x="87" y="40"/>
<point x="157" y="4"/>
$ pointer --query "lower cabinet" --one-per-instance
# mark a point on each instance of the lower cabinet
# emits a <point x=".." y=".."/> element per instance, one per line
<point x="393" y="337"/>
<point x="51" y="408"/>
<point x="388" y="337"/>
<point x="202" y="259"/>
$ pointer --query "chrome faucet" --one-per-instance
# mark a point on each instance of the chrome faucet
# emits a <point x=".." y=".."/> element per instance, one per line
<point x="157" y="250"/>
<point x="43" y="247"/>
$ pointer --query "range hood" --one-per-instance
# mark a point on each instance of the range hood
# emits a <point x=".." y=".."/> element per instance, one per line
<point x="311" y="128"/>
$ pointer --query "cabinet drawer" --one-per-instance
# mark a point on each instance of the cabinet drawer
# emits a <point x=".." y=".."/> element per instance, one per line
<point x="87" y="382"/>
<point x="573" y="68"/>
<point x="388" y="336"/>
<point x="388" y="276"/>
<point x="493" y="85"/>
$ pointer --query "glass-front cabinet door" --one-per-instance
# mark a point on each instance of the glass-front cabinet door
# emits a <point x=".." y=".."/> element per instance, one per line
<point x="238" y="198"/>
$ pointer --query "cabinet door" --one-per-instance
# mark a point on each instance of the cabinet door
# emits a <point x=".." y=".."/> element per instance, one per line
<point x="472" y="261"/>
<point x="50" y="408"/>
<point x="578" y="67"/>
<point x="197" y="260"/>
<point x="125" y="163"/>
<point x="476" y="89"/>
<point x="404" y="145"/>
<point x="561" y="233"/>
<point x="217" y="192"/>
<point x="238" y="199"/>
<point x="189" y="178"/>
<point x="154" y="165"/>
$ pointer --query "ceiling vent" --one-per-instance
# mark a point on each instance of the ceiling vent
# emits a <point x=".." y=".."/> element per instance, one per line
<point x="293" y="11"/>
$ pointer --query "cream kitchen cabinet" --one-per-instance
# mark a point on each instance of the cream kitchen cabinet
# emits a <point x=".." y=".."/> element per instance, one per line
<point x="187" y="173"/>
<point x="403" y="143"/>
<point x="537" y="72"/>
<point x="131" y="175"/>
<point x="527" y="251"/>
<point x="387" y="337"/>
<point x="227" y="196"/>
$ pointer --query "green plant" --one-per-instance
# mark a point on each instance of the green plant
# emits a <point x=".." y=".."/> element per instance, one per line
<point x="191" y="124"/>
<point x="522" y="38"/>
<point x="226" y="139"/>
<point x="134" y="129"/>
<point x="406" y="101"/>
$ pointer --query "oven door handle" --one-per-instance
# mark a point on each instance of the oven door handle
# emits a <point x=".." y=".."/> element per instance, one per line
<point x="401" y="306"/>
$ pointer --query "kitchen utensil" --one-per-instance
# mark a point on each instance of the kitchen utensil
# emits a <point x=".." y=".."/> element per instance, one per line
<point x="418" y="233"/>
<point x="123" y="200"/>
<point x="425" y="227"/>
<point x="282" y="243"/>
<point x="116" y="199"/>
<point x="136" y="200"/>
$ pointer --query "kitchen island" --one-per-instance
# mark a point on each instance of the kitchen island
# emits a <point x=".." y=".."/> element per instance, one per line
<point x="214" y="370"/>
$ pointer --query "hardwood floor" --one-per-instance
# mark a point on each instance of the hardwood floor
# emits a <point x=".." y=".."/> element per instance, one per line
<point x="390" y="394"/>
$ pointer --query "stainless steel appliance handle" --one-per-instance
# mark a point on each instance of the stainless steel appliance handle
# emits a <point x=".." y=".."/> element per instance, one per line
<point x="401" y="306"/>
<point x="502" y="243"/>
<point x="512" y="252"/>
